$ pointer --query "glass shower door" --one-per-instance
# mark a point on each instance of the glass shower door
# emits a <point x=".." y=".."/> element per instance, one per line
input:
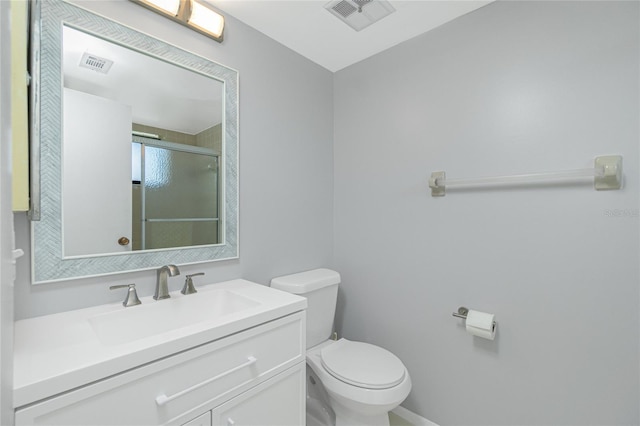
<point x="179" y="198"/>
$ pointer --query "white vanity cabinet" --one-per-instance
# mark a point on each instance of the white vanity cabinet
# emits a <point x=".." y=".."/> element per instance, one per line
<point x="253" y="377"/>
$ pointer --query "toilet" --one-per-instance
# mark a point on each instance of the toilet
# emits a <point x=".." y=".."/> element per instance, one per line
<point x="349" y="383"/>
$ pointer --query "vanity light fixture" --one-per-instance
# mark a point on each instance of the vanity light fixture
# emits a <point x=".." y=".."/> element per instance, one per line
<point x="194" y="14"/>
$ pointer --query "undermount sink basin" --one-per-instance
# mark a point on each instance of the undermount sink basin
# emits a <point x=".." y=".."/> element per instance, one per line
<point x="156" y="317"/>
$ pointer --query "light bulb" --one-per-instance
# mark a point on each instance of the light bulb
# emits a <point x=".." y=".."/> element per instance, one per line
<point x="169" y="6"/>
<point x="206" y="19"/>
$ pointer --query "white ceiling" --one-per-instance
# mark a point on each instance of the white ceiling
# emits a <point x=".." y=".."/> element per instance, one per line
<point x="306" y="27"/>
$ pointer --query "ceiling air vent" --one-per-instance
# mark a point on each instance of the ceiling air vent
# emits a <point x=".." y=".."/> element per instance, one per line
<point x="95" y="63"/>
<point x="359" y="14"/>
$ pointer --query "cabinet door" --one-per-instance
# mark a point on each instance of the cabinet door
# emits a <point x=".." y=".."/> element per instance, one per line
<point x="279" y="401"/>
<point x="19" y="108"/>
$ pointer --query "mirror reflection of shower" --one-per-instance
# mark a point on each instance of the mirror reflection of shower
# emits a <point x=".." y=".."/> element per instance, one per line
<point x="175" y="190"/>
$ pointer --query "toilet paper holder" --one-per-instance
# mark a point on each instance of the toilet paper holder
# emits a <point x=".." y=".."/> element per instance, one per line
<point x="462" y="313"/>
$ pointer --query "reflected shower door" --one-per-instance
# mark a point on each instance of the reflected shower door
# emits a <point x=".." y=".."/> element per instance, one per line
<point x="179" y="198"/>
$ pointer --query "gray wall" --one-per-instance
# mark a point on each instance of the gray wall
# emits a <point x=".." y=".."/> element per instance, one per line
<point x="286" y="166"/>
<point x="510" y="88"/>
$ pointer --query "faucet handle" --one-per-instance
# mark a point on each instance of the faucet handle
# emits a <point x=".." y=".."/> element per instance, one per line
<point x="188" y="284"/>
<point x="132" y="296"/>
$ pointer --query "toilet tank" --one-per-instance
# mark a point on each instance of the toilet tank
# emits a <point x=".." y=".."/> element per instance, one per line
<point x="320" y="287"/>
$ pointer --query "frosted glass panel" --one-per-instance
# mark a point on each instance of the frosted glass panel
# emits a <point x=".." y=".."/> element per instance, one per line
<point x="180" y="234"/>
<point x="180" y="198"/>
<point x="180" y="184"/>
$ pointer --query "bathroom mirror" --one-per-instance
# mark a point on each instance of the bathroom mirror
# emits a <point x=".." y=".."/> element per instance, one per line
<point x="134" y="149"/>
<point x="156" y="129"/>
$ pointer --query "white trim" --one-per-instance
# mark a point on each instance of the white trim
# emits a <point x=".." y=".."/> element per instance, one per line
<point x="412" y="417"/>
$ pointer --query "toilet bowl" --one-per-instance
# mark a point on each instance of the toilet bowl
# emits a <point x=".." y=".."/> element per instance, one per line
<point x="364" y="382"/>
<point x="349" y="383"/>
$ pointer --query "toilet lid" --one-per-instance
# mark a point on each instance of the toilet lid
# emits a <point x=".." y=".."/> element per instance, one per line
<point x="362" y="364"/>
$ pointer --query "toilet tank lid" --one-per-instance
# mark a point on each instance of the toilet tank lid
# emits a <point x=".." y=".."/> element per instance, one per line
<point x="305" y="282"/>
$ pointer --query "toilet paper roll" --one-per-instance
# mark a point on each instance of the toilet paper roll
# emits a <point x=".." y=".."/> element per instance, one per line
<point x="481" y="324"/>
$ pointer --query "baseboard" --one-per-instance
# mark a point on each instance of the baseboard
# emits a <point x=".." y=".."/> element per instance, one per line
<point x="412" y="417"/>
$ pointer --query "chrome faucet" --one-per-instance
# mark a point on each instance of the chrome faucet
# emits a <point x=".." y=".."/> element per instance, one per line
<point x="162" y="289"/>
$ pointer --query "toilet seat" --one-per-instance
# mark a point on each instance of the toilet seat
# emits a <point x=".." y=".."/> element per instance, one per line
<point x="362" y="364"/>
<point x="360" y="399"/>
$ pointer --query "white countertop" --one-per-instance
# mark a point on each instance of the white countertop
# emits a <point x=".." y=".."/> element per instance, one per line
<point x="56" y="353"/>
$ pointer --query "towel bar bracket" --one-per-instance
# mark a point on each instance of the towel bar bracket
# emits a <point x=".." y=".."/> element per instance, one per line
<point x="437" y="190"/>
<point x="611" y="177"/>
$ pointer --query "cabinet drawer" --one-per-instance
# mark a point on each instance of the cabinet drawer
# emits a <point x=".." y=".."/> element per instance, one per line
<point x="280" y="401"/>
<point x="174" y="389"/>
